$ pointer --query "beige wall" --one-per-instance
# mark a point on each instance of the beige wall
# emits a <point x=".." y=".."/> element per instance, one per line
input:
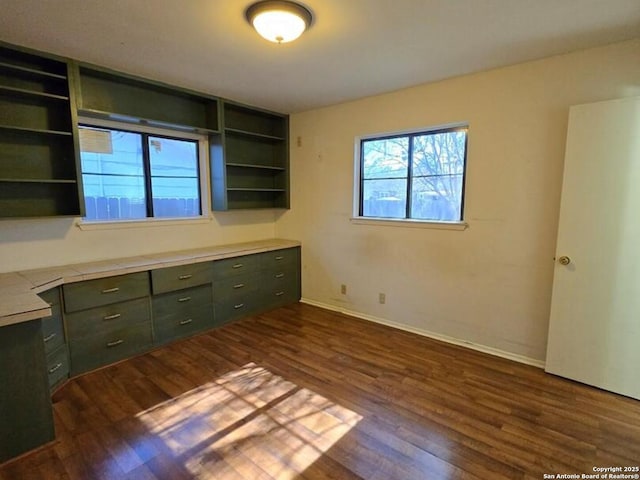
<point x="26" y="244"/>
<point x="490" y="284"/>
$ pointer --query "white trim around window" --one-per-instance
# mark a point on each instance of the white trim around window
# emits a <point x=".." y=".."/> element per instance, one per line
<point x="359" y="219"/>
<point x="203" y="165"/>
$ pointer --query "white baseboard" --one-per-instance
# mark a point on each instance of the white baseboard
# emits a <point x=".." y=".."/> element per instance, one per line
<point x="425" y="333"/>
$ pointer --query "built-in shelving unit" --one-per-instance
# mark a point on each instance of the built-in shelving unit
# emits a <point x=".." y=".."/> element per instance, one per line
<point x="38" y="168"/>
<point x="41" y="97"/>
<point x="250" y="164"/>
<point x="113" y="95"/>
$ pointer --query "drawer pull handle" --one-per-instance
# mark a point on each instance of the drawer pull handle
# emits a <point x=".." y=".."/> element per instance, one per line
<point x="111" y="290"/>
<point x="240" y="285"/>
<point x="49" y="337"/>
<point x="186" y="322"/>
<point x="184" y="299"/>
<point x="113" y="317"/>
<point x="279" y="258"/>
<point x="238" y="265"/>
<point x="279" y="294"/>
<point x="280" y="275"/>
<point x="55" y="368"/>
<point x="185" y="277"/>
<point x="115" y="344"/>
<point x="240" y="305"/>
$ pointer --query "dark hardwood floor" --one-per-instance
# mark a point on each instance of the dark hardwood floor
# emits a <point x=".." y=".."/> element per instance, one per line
<point x="303" y="393"/>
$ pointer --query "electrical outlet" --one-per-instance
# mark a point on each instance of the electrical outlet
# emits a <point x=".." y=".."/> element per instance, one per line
<point x="343" y="289"/>
<point x="382" y="298"/>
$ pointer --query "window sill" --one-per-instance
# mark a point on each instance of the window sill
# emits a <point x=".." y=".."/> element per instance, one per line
<point x="150" y="222"/>
<point x="403" y="222"/>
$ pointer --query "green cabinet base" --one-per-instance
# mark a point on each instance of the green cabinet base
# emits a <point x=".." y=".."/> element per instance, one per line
<point x="25" y="401"/>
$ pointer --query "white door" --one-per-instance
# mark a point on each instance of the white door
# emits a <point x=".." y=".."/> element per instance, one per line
<point x="594" y="330"/>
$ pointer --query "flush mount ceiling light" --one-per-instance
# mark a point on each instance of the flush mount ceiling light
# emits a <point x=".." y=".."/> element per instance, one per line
<point x="279" y="21"/>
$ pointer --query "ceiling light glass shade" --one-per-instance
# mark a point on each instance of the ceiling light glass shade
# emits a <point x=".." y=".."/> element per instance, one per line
<point x="279" y="21"/>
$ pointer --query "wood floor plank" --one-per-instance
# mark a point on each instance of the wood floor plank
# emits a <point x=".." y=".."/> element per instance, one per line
<point x="303" y="393"/>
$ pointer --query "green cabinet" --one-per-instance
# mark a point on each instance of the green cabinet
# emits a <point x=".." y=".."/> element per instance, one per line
<point x="182" y="302"/>
<point x="253" y="283"/>
<point x="38" y="137"/>
<point x="108" y="319"/>
<point x="98" y="322"/>
<point x="250" y="161"/>
<point x="25" y="401"/>
<point x="238" y="295"/>
<point x="280" y="277"/>
<point x="112" y="95"/>
<point x="182" y="313"/>
<point x="54" y="338"/>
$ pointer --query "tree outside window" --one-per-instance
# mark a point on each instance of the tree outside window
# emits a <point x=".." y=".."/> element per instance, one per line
<point x="414" y="176"/>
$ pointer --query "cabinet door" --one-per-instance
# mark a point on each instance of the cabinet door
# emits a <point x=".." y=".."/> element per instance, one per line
<point x="25" y="401"/>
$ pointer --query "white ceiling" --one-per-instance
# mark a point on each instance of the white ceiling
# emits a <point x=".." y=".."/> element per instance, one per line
<point x="354" y="49"/>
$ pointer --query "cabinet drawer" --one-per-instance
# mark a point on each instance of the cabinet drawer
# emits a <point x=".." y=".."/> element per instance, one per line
<point x="235" y="266"/>
<point x="53" y="330"/>
<point x="181" y="301"/>
<point x="236" y="286"/>
<point x="103" y="291"/>
<point x="107" y="318"/>
<point x="102" y="349"/>
<point x="280" y="276"/>
<point x="274" y="297"/>
<point x="236" y="308"/>
<point x="58" y="366"/>
<point x="279" y="258"/>
<point x="180" y="277"/>
<point x="185" y="323"/>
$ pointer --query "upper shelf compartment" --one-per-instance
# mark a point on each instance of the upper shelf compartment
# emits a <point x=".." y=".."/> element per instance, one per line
<point x="250" y="162"/>
<point x="25" y="64"/>
<point x="38" y="169"/>
<point x="251" y="122"/>
<point x="115" y="96"/>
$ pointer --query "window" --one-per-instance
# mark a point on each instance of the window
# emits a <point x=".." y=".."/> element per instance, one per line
<point x="129" y="175"/>
<point x="418" y="175"/>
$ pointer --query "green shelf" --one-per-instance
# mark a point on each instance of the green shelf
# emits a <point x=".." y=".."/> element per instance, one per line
<point x="31" y="71"/>
<point x="38" y="163"/>
<point x="30" y="93"/>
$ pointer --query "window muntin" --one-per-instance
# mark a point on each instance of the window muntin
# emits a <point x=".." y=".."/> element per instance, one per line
<point x="417" y="175"/>
<point x="136" y="175"/>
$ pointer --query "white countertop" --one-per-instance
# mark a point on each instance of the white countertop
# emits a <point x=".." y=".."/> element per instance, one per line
<point x="19" y="301"/>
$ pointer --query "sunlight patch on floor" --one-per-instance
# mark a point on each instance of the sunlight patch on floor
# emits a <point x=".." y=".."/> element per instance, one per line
<point x="249" y="421"/>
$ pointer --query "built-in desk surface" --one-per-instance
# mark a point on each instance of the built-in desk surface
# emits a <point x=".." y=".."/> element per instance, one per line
<point x="19" y="301"/>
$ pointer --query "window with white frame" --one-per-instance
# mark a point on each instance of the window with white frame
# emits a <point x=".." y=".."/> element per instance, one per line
<point x="136" y="173"/>
<point x="417" y="175"/>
